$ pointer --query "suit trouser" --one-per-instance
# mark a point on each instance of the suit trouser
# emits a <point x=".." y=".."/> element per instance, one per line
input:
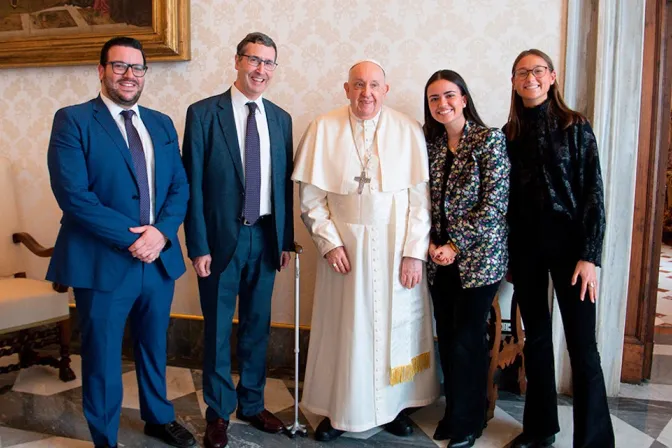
<point x="461" y="326"/>
<point x="592" y="422"/>
<point x="249" y="275"/>
<point x="145" y="295"/>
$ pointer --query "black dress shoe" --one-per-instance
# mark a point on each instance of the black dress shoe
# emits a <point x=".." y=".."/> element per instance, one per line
<point x="525" y="441"/>
<point x="465" y="442"/>
<point x="443" y="433"/>
<point x="171" y="433"/>
<point x="401" y="426"/>
<point x="325" y="432"/>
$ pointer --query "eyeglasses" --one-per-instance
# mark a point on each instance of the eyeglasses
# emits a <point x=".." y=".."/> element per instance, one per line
<point x="120" y="68"/>
<point x="539" y="71"/>
<point x="255" y="61"/>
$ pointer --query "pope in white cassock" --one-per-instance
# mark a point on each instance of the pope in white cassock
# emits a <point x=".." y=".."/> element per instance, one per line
<point x="363" y="175"/>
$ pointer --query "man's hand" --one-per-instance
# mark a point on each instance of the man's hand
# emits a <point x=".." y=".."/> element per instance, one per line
<point x="338" y="260"/>
<point x="411" y="272"/>
<point x="285" y="258"/>
<point x="202" y="265"/>
<point x="586" y="270"/>
<point x="150" y="244"/>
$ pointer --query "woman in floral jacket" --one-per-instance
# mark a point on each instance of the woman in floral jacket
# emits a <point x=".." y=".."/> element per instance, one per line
<point x="557" y="223"/>
<point x="469" y="181"/>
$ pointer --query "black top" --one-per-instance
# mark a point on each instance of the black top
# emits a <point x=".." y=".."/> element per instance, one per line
<point x="556" y="197"/>
<point x="444" y="237"/>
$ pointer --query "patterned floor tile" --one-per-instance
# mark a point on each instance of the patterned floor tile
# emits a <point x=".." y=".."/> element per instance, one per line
<point x="55" y="442"/>
<point x="650" y="417"/>
<point x="42" y="380"/>
<point x="12" y="437"/>
<point x="626" y="435"/>
<point x="178" y="380"/>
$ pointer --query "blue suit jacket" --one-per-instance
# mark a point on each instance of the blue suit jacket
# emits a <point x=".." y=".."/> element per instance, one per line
<point x="211" y="156"/>
<point x="93" y="179"/>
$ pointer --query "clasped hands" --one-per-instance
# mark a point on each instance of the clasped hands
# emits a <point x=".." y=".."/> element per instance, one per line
<point x="442" y="255"/>
<point x="150" y="244"/>
<point x="410" y="273"/>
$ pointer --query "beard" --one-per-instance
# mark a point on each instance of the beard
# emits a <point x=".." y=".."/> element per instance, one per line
<point x="119" y="97"/>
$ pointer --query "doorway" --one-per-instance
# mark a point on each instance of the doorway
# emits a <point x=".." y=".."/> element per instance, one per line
<point x="650" y="193"/>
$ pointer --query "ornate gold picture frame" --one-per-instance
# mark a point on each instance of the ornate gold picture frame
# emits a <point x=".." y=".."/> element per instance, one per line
<point x="72" y="32"/>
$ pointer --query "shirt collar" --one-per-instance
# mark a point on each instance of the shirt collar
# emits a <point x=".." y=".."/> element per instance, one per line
<point x="116" y="109"/>
<point x="239" y="100"/>
<point x="357" y="120"/>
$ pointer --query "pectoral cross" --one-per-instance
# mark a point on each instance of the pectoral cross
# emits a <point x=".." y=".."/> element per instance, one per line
<point x="362" y="179"/>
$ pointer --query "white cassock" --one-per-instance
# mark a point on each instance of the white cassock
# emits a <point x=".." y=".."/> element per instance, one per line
<point x="371" y="351"/>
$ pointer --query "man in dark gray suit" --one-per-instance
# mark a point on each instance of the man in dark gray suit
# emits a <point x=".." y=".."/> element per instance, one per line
<point x="239" y="230"/>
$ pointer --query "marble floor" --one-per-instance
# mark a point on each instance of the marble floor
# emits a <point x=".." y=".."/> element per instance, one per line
<point x="38" y="411"/>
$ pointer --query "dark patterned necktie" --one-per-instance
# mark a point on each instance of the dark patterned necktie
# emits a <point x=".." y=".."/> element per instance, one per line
<point x="138" y="156"/>
<point x="252" y="168"/>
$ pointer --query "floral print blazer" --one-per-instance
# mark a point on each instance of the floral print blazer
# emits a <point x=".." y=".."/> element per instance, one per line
<point x="475" y="203"/>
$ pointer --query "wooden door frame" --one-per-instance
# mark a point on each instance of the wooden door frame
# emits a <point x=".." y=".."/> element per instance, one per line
<point x="649" y="192"/>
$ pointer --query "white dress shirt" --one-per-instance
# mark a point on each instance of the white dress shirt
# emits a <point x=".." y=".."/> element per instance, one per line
<point x="147" y="145"/>
<point x="240" y="114"/>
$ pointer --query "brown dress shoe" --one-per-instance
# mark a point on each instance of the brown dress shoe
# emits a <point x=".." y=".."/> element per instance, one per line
<point x="264" y="421"/>
<point x="215" y="434"/>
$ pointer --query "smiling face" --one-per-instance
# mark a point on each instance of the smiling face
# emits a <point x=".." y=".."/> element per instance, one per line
<point x="533" y="90"/>
<point x="366" y="89"/>
<point x="446" y="103"/>
<point x="124" y="90"/>
<point x="252" y="81"/>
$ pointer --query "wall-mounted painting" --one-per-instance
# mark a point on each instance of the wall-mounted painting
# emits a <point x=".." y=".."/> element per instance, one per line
<point x="71" y="32"/>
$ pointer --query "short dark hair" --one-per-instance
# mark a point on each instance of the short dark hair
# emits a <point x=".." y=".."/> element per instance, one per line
<point x="256" y="38"/>
<point x="433" y="129"/>
<point x="121" y="41"/>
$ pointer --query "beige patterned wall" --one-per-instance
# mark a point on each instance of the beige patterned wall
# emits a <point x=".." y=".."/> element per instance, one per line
<point x="317" y="40"/>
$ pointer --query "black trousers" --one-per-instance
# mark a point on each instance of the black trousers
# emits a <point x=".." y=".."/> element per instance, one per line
<point x="592" y="423"/>
<point x="461" y="326"/>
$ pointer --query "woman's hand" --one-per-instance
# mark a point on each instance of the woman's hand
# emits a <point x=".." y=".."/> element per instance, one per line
<point x="443" y="255"/>
<point x="586" y="270"/>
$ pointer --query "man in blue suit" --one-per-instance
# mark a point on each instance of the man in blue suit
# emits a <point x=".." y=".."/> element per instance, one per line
<point x="117" y="175"/>
<point x="239" y="229"/>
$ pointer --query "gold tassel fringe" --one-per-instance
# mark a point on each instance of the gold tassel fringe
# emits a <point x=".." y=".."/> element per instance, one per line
<point x="404" y="374"/>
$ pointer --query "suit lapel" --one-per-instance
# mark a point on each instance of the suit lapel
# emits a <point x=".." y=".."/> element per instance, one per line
<point x="156" y="133"/>
<point x="102" y="115"/>
<point x="228" y="124"/>
<point x="277" y="148"/>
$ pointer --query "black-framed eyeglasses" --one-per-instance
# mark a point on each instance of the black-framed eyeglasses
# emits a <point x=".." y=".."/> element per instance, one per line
<point x="255" y="61"/>
<point x="539" y="71"/>
<point x="120" y="68"/>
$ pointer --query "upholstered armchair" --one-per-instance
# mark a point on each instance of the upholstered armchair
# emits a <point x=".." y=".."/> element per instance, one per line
<point x="33" y="313"/>
<point x="505" y="351"/>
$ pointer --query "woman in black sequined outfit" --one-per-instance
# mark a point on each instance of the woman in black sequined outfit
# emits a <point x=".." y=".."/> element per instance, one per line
<point x="556" y="223"/>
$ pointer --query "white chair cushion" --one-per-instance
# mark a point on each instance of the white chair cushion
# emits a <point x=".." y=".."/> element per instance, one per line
<point x="26" y="303"/>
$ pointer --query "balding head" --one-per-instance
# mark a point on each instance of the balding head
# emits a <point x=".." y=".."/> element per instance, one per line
<point x="366" y="89"/>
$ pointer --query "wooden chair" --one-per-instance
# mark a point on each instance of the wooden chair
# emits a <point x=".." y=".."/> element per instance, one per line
<point x="33" y="313"/>
<point x="504" y="352"/>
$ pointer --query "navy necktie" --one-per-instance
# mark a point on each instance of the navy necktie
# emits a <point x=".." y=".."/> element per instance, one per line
<point x="138" y="156"/>
<point x="252" y="168"/>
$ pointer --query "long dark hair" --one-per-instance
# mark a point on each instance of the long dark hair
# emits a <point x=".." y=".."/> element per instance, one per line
<point x="567" y="117"/>
<point x="433" y="129"/>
